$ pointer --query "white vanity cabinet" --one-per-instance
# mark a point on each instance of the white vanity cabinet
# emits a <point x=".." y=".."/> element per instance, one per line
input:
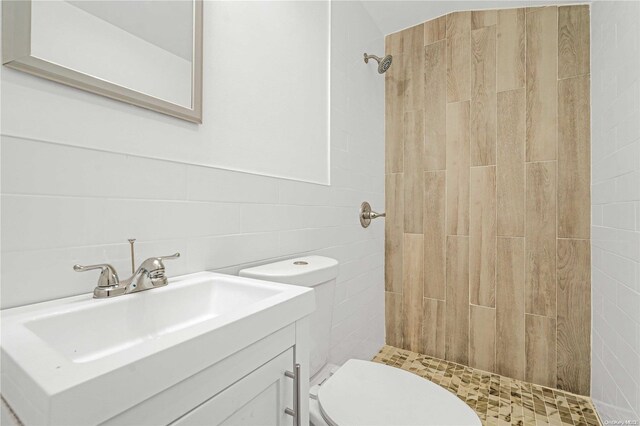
<point x="248" y="388"/>
<point x="260" y="398"/>
<point x="237" y="396"/>
<point x="208" y="349"/>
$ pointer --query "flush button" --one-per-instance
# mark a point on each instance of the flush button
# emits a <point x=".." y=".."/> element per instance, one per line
<point x="300" y="262"/>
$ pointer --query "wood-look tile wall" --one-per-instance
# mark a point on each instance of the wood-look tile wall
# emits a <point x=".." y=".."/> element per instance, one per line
<point x="487" y="192"/>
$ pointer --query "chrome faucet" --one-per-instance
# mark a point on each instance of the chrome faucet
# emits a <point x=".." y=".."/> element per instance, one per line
<point x="150" y="274"/>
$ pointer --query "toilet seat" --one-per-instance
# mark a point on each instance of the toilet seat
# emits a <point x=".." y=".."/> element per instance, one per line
<point x="368" y="393"/>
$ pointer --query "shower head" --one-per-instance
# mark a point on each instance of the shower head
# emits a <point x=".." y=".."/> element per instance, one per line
<point x="383" y="63"/>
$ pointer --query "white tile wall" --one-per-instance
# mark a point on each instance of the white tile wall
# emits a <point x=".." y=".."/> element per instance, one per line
<point x="615" y="68"/>
<point x="65" y="204"/>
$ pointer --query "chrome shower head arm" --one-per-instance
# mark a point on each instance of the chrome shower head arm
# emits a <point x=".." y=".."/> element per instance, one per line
<point x="367" y="57"/>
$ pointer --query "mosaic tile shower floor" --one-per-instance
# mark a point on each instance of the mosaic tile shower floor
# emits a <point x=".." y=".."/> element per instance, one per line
<point x="498" y="400"/>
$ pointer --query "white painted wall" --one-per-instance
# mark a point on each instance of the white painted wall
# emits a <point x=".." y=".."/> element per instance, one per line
<point x="79" y="178"/>
<point x="615" y="94"/>
<point x="271" y="66"/>
<point x="265" y="97"/>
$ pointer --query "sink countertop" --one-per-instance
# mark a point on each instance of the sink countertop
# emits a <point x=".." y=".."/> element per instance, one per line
<point x="62" y="358"/>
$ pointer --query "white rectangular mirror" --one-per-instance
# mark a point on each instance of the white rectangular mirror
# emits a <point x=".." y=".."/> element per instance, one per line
<point x="143" y="52"/>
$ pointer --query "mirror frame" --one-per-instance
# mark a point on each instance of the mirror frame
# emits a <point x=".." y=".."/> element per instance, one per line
<point x="16" y="48"/>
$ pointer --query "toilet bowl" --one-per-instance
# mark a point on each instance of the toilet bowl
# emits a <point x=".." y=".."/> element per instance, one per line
<point x="368" y="393"/>
<point x="359" y="392"/>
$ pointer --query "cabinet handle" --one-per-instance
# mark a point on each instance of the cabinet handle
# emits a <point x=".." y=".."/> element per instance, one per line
<point x="295" y="412"/>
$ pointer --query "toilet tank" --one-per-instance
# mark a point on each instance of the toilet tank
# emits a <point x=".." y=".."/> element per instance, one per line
<point x="311" y="271"/>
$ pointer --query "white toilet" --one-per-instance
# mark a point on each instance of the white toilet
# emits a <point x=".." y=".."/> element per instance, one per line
<point x="359" y="392"/>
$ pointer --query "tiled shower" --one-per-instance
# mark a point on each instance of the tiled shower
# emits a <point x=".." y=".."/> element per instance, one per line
<point x="488" y="192"/>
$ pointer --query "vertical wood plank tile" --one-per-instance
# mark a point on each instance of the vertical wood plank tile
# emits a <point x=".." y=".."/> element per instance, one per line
<point x="573" y="41"/>
<point x="540" y="239"/>
<point x="433" y="328"/>
<point x="458" y="23"/>
<point x="535" y="8"/>
<point x="458" y="68"/>
<point x="540" y="348"/>
<point x="393" y="44"/>
<point x="393" y="231"/>
<point x="481" y="218"/>
<point x="457" y="301"/>
<point x="458" y="168"/>
<point x="394" y="115"/>
<point x="510" y="343"/>
<point x="413" y="171"/>
<point x="482" y="236"/>
<point x="482" y="337"/>
<point x="574" y="316"/>
<point x="510" y="49"/>
<point x="574" y="158"/>
<point x="412" y="291"/>
<point x="541" y="76"/>
<point x="434" y="234"/>
<point x="393" y="318"/>
<point x="510" y="162"/>
<point x="412" y="39"/>
<point x="483" y="18"/>
<point x="458" y="59"/>
<point x="435" y="106"/>
<point x="435" y="30"/>
<point x="414" y="68"/>
<point x="483" y="96"/>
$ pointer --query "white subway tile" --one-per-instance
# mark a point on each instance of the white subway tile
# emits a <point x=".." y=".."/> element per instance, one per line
<point x="301" y="193"/>
<point x="37" y="222"/>
<point x="615" y="61"/>
<point x="621" y="269"/>
<point x="627" y="187"/>
<point x="41" y="168"/>
<point x="619" y="241"/>
<point x="227" y="250"/>
<point x="628" y="131"/>
<point x="596" y="215"/>
<point x="23" y="279"/>
<point x="619" y="215"/>
<point x="629" y="302"/>
<point x="603" y="192"/>
<point x="629" y="359"/>
<point x="208" y="184"/>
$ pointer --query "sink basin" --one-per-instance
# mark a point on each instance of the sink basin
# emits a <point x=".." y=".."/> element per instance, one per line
<point x="88" y="333"/>
<point x="57" y="354"/>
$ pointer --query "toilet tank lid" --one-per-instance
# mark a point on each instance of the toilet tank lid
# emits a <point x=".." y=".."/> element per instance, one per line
<point x="306" y="271"/>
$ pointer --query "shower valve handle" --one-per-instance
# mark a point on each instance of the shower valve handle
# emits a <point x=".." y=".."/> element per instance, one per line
<point x="367" y="215"/>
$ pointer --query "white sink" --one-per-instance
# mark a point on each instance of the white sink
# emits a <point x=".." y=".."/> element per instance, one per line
<point x="69" y="354"/>
<point x="94" y="330"/>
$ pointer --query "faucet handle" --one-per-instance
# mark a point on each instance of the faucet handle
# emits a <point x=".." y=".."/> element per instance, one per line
<point x="172" y="256"/>
<point x="155" y="265"/>
<point x="154" y="269"/>
<point x="108" y="276"/>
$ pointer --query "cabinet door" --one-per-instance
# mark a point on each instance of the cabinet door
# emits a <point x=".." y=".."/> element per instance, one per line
<point x="258" y="399"/>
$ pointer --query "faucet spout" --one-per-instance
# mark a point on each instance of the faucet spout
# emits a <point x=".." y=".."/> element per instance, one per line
<point x="150" y="274"/>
